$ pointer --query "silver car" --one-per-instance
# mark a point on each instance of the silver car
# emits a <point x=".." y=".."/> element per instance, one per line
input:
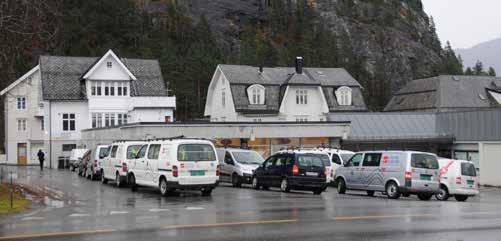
<point x="393" y="173"/>
<point x="237" y="165"/>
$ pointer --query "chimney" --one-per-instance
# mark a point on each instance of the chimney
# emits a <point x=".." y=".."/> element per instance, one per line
<point x="299" y="65"/>
<point x="260" y="69"/>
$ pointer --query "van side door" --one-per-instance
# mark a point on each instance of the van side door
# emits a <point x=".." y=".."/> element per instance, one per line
<point x="228" y="167"/>
<point x="152" y="159"/>
<point x="110" y="162"/>
<point x="352" y="171"/>
<point x="370" y="173"/>
<point x="140" y="164"/>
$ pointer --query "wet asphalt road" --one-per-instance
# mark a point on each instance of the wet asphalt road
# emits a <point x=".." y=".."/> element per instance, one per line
<point x="91" y="211"/>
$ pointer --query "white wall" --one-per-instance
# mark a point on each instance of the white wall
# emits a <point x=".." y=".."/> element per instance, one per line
<point x="215" y="108"/>
<point x="490" y="163"/>
<point x="102" y="72"/>
<point x="150" y="115"/>
<point x="314" y="110"/>
<point x="79" y="108"/>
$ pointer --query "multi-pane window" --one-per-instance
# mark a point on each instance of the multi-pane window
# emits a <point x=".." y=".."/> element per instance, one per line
<point x="93" y="88"/>
<point x="42" y="124"/>
<point x="256" y="94"/>
<point x="106" y="88"/>
<point x="109" y="64"/>
<point x="343" y="95"/>
<point x="112" y="119"/>
<point x="122" y="88"/>
<point x="98" y="88"/>
<point x="122" y="119"/>
<point x="21" y="103"/>
<point x="21" y="124"/>
<point x="107" y="120"/>
<point x="301" y="119"/>
<point x="112" y="88"/>
<point x="301" y="97"/>
<point x="69" y="122"/>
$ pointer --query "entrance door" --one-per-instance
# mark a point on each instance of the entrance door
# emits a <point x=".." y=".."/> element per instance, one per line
<point x="22" y="157"/>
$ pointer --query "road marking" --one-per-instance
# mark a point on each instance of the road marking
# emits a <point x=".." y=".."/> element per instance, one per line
<point x="194" y="208"/>
<point x="118" y="212"/>
<point x="211" y="225"/>
<point x="349" y="218"/>
<point x="32" y="218"/>
<point x="79" y="215"/>
<point x="58" y="234"/>
<point x="159" y="210"/>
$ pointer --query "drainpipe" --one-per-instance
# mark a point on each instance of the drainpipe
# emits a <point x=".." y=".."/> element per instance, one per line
<point x="50" y="135"/>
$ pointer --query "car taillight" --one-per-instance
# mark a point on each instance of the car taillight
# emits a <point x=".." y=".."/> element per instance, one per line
<point x="217" y="170"/>
<point x="95" y="163"/>
<point x="326" y="172"/>
<point x="295" y="170"/>
<point x="175" y="172"/>
<point x="458" y="180"/>
<point x="408" y="175"/>
<point x="124" y="167"/>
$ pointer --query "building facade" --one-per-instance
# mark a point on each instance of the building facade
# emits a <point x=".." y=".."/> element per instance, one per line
<point x="47" y="108"/>
<point x="239" y="93"/>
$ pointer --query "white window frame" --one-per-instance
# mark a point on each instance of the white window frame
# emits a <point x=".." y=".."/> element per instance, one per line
<point x="301" y="97"/>
<point x="344" y="96"/>
<point x="257" y="94"/>
<point x="21" y="103"/>
<point x="109" y="64"/>
<point x="22" y="125"/>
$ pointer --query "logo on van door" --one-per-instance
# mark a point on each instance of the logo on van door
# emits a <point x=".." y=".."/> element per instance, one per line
<point x="391" y="160"/>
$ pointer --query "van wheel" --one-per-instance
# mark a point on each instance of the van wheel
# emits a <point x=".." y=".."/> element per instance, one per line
<point x="284" y="185"/>
<point x="164" y="189"/>
<point x="206" y="192"/>
<point x="370" y="193"/>
<point x="341" y="186"/>
<point x="236" y="181"/>
<point x="443" y="195"/>
<point x="118" y="181"/>
<point x="132" y="182"/>
<point x="461" y="198"/>
<point x="255" y="183"/>
<point x="103" y="179"/>
<point x="392" y="190"/>
<point x="424" y="196"/>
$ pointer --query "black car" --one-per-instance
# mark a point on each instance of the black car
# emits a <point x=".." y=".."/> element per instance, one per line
<point x="294" y="170"/>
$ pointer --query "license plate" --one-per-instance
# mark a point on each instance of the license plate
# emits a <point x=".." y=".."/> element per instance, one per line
<point x="470" y="182"/>
<point x="311" y="174"/>
<point x="426" y="177"/>
<point x="197" y="173"/>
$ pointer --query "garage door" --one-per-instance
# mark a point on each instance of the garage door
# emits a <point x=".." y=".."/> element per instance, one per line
<point x="490" y="164"/>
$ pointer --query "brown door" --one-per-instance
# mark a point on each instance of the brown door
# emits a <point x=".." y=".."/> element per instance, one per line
<point x="22" y="154"/>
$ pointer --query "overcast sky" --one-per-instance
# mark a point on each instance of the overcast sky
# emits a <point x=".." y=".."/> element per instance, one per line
<point x="465" y="23"/>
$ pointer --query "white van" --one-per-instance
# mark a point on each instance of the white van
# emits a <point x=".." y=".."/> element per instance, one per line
<point x="175" y="164"/>
<point x="117" y="163"/>
<point x="458" y="178"/>
<point x="76" y="156"/>
<point x="394" y="173"/>
<point x="338" y="157"/>
<point x="93" y="169"/>
<point x="238" y="165"/>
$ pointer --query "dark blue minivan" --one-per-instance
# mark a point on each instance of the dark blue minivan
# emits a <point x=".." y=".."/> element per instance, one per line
<point x="292" y="170"/>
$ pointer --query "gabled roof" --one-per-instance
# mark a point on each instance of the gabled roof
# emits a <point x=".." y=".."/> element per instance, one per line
<point x="18" y="81"/>
<point x="62" y="77"/>
<point x="102" y="59"/>
<point x="445" y="91"/>
<point x="275" y="80"/>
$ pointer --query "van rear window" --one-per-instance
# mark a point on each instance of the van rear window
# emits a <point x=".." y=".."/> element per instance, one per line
<point x="425" y="161"/>
<point x="195" y="152"/>
<point x="325" y="159"/>
<point x="468" y="169"/>
<point x="310" y="160"/>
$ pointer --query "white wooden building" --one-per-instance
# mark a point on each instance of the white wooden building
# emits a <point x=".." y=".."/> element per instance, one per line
<point x="48" y="107"/>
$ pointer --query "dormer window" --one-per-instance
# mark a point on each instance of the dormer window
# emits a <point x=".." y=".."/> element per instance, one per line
<point x="343" y="95"/>
<point x="256" y="94"/>
<point x="109" y="64"/>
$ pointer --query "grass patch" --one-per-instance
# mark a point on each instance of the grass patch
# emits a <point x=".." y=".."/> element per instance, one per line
<point x="20" y="203"/>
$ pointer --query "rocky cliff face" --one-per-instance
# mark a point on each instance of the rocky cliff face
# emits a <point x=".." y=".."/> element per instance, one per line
<point x="394" y="37"/>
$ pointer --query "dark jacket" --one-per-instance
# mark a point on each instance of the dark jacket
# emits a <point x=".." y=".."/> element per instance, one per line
<point x="41" y="156"/>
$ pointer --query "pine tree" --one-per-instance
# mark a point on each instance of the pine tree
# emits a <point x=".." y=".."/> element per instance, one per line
<point x="468" y="71"/>
<point x="478" y="69"/>
<point x="492" y="71"/>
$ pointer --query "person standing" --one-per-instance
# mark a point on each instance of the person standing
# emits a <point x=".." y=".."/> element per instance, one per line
<point x="41" y="158"/>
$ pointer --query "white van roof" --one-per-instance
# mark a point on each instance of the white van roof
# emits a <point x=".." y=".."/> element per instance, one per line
<point x="334" y="150"/>
<point x="78" y="153"/>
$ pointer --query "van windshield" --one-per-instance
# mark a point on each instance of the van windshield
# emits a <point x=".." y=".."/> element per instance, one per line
<point x="468" y="169"/>
<point x="310" y="160"/>
<point x="425" y="161"/>
<point x="247" y="157"/>
<point x="325" y="159"/>
<point x="195" y="152"/>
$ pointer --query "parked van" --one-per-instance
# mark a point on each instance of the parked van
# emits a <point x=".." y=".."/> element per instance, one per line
<point x="76" y="156"/>
<point x="458" y="178"/>
<point x="116" y="164"/>
<point x="96" y="164"/>
<point x="394" y="173"/>
<point x="237" y="165"/>
<point x="292" y="170"/>
<point x="338" y="157"/>
<point x="175" y="164"/>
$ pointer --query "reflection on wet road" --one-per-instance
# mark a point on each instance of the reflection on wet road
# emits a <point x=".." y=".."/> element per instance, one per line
<point x="78" y="209"/>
